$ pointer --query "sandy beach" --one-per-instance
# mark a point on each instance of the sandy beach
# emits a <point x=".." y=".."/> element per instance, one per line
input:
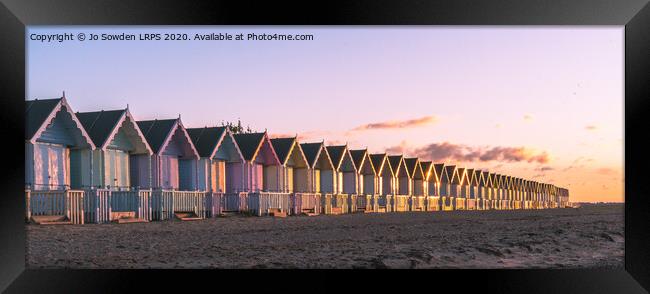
<point x="590" y="236"/>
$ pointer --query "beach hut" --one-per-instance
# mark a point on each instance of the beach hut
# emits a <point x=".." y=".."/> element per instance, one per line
<point x="436" y="186"/>
<point x="446" y="194"/>
<point x="54" y="135"/>
<point x="472" y="187"/>
<point x="345" y="181"/>
<point x="431" y="186"/>
<point x="520" y="193"/>
<point x="528" y="194"/>
<point x="496" y="191"/>
<point x="509" y="192"/>
<point x="294" y="175"/>
<point x="320" y="179"/>
<point x="463" y="188"/>
<point x="261" y="177"/>
<point x="115" y="174"/>
<point x="417" y="197"/>
<point x="366" y="200"/>
<point x="219" y="166"/>
<point x="385" y="182"/>
<point x="173" y="172"/>
<point x="456" y="179"/>
<point x="402" y="183"/>
<point x="481" y="194"/>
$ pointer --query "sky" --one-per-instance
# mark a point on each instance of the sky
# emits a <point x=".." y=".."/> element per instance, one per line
<point x="542" y="103"/>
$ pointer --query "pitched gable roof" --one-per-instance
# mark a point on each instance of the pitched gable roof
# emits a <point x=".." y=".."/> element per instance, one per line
<point x="427" y="169"/>
<point x="311" y="151"/>
<point x="452" y="174"/>
<point x="378" y="162"/>
<point x="207" y="139"/>
<point x="396" y="163"/>
<point x="249" y="144"/>
<point x="100" y="124"/>
<point x="413" y="166"/>
<point x="337" y="154"/>
<point x="40" y="113"/>
<point x="358" y="157"/>
<point x="439" y="168"/>
<point x="156" y="131"/>
<point x="283" y="147"/>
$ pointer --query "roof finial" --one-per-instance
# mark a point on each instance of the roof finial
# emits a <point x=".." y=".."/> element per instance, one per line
<point x="127" y="106"/>
<point x="63" y="94"/>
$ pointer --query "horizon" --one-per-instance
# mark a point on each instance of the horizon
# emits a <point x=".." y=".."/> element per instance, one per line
<point x="410" y="90"/>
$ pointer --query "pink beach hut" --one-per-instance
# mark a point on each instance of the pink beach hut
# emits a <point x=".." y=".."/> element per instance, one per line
<point x="403" y="183"/>
<point x="366" y="200"/>
<point x="295" y="176"/>
<point x="320" y="180"/>
<point x="417" y="196"/>
<point x="385" y="182"/>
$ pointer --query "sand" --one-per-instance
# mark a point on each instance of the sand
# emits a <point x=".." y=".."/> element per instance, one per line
<point x="586" y="237"/>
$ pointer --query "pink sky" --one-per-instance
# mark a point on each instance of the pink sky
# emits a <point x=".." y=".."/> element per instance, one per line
<point x="544" y="103"/>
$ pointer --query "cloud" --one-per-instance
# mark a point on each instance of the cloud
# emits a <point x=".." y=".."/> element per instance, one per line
<point x="605" y="171"/>
<point x="544" y="168"/>
<point x="457" y="152"/>
<point x="591" y="128"/>
<point x="528" y="117"/>
<point x="397" y="124"/>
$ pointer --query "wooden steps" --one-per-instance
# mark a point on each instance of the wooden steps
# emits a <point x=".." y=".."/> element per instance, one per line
<point x="51" y="220"/>
<point x="309" y="212"/>
<point x="130" y="220"/>
<point x="337" y="210"/>
<point x="274" y="212"/>
<point x="186" y="216"/>
<point x="126" y="217"/>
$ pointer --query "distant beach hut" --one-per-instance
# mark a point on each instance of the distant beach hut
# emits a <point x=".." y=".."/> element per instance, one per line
<point x="261" y="176"/>
<point x="463" y="188"/>
<point x="520" y="193"/>
<point x="431" y="182"/>
<point x="366" y="189"/>
<point x="472" y="187"/>
<point x="446" y="192"/>
<point x="417" y="197"/>
<point x="174" y="171"/>
<point x="219" y="166"/>
<point x="54" y="135"/>
<point x="385" y="183"/>
<point x="509" y="192"/>
<point x="481" y="190"/>
<point x="346" y="178"/>
<point x="117" y="173"/>
<point x="294" y="175"/>
<point x="496" y="191"/>
<point x="457" y="177"/>
<point x="321" y="180"/>
<point x="402" y="183"/>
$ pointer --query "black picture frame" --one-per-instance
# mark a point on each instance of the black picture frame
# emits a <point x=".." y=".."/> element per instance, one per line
<point x="15" y="15"/>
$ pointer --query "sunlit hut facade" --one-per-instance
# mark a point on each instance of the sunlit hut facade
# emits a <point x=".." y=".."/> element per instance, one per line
<point x="463" y="187"/>
<point x="321" y="180"/>
<point x="520" y="193"/>
<point x="481" y="189"/>
<point x="260" y="177"/>
<point x="385" y="183"/>
<point x="52" y="135"/>
<point x="431" y="182"/>
<point x="509" y="192"/>
<point x="457" y="177"/>
<point x="174" y="170"/>
<point x="345" y="181"/>
<point x="402" y="183"/>
<point x="366" y="199"/>
<point x="293" y="173"/>
<point x="446" y="198"/>
<point x="118" y="167"/>
<point x="417" y="196"/>
<point x="495" y="190"/>
<point x="472" y="188"/>
<point x="219" y="166"/>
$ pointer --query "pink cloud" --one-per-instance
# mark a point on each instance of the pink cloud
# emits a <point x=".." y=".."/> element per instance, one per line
<point x="457" y="152"/>
<point x="397" y="124"/>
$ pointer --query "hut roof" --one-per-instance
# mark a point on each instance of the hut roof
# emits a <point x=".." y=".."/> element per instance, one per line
<point x="249" y="144"/>
<point x="102" y="126"/>
<point x="206" y="140"/>
<point x="439" y="169"/>
<point x="337" y="154"/>
<point x="427" y="169"/>
<point x="378" y="162"/>
<point x="396" y="162"/>
<point x="159" y="132"/>
<point x="36" y="112"/>
<point x="283" y="147"/>
<point x="414" y="168"/>
<point x="39" y="113"/>
<point x="471" y="177"/>
<point x="358" y="157"/>
<point x="452" y="174"/>
<point x="311" y="151"/>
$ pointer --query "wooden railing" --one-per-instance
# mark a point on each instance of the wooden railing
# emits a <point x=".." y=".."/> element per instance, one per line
<point x="305" y="201"/>
<point x="400" y="203"/>
<point x="417" y="203"/>
<point x="340" y="202"/>
<point x="213" y="203"/>
<point x="460" y="203"/>
<point x="471" y="204"/>
<point x="384" y="203"/>
<point x="365" y="202"/>
<point x="260" y="203"/>
<point x="432" y="203"/>
<point x="68" y="203"/>
<point x="235" y="202"/>
<point x="352" y="203"/>
<point x="97" y="206"/>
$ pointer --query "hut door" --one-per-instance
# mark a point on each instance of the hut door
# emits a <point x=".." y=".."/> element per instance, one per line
<point x="169" y="168"/>
<point x="50" y="167"/>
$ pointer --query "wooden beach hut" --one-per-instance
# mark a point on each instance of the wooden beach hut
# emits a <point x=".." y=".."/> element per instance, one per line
<point x="385" y="182"/>
<point x="519" y="204"/>
<point x="431" y="184"/>
<point x="436" y="185"/>
<point x="115" y="173"/>
<point x="496" y="190"/>
<point x="366" y="199"/>
<point x="294" y="175"/>
<point x="219" y="166"/>
<point x="509" y="192"/>
<point x="320" y="179"/>
<point x="402" y="183"/>
<point x="345" y="181"/>
<point x="261" y="177"/>
<point x="463" y="188"/>
<point x="54" y="135"/>
<point x="456" y="178"/>
<point x="446" y="192"/>
<point x="481" y="194"/>
<point x="173" y="172"/>
<point x="417" y="197"/>
<point x="472" y="187"/>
